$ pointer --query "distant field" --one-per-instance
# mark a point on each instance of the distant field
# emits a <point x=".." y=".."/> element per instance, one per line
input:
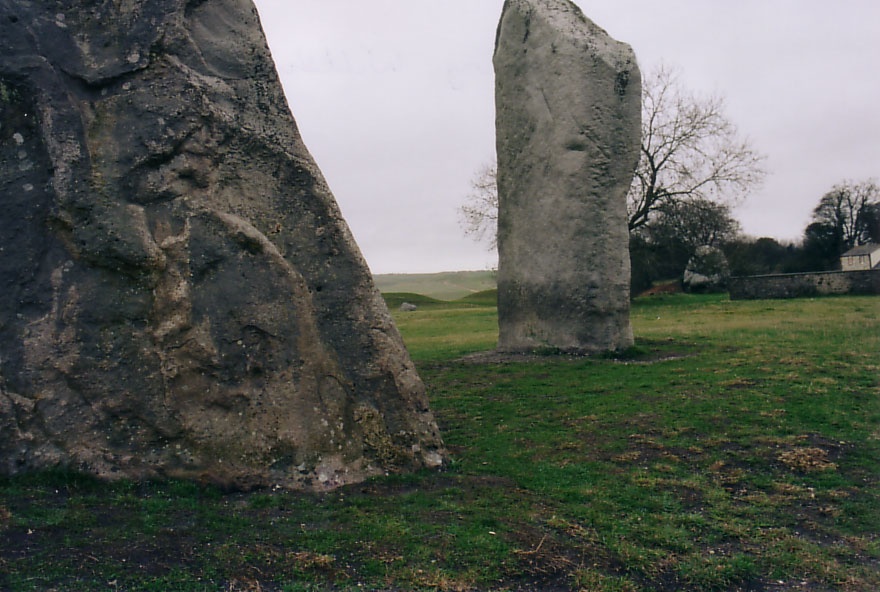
<point x="450" y="285"/>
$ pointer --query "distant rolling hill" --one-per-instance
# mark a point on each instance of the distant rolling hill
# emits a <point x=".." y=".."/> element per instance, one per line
<point x="395" y="300"/>
<point x="450" y="285"/>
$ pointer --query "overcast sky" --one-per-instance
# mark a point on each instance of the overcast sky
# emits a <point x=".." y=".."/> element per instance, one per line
<point x="395" y="100"/>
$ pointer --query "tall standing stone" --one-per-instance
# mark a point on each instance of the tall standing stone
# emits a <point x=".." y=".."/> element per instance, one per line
<point x="180" y="294"/>
<point x="568" y="118"/>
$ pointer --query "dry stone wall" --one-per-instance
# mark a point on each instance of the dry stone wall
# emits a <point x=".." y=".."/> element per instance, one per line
<point x="800" y="285"/>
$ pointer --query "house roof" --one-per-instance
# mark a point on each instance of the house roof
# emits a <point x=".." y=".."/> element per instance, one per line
<point x="861" y="250"/>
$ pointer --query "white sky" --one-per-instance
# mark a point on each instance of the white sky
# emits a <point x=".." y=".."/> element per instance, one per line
<point x="395" y="100"/>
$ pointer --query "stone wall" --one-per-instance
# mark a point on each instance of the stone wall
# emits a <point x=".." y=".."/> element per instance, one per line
<point x="795" y="285"/>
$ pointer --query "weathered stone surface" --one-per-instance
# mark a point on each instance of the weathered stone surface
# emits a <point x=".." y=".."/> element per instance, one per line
<point x="181" y="296"/>
<point x="706" y="271"/>
<point x="568" y="131"/>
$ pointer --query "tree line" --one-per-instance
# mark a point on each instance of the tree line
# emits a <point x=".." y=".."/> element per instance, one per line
<point x="846" y="216"/>
<point x="694" y="168"/>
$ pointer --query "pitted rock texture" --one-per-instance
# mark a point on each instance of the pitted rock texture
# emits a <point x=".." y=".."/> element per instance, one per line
<point x="568" y="118"/>
<point x="181" y="296"/>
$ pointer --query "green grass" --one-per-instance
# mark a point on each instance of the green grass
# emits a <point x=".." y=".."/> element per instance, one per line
<point x="440" y="330"/>
<point x="736" y="447"/>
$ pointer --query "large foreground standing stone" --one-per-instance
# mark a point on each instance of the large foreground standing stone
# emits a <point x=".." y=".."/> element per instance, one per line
<point x="568" y="103"/>
<point x="180" y="294"/>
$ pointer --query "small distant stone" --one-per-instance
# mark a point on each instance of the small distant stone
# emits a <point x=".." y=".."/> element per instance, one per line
<point x="19" y="139"/>
<point x="408" y="307"/>
<point x="707" y="271"/>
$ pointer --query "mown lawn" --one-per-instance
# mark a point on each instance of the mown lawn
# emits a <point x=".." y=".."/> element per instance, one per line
<point x="736" y="447"/>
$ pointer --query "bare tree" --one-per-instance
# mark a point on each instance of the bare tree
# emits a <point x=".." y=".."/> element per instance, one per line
<point x="693" y="223"/>
<point x="479" y="213"/>
<point x="690" y="150"/>
<point x="850" y="210"/>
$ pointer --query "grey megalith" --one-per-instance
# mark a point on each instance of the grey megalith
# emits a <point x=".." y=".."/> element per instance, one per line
<point x="181" y="296"/>
<point x="568" y="119"/>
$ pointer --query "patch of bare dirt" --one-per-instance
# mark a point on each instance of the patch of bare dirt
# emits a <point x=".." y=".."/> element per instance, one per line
<point x="660" y="289"/>
<point x="648" y="354"/>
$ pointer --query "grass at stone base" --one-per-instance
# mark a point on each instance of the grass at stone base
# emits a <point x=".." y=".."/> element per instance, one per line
<point x="736" y="447"/>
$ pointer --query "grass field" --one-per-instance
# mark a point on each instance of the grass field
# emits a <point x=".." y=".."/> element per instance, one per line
<point x="736" y="447"/>
<point x="450" y="285"/>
